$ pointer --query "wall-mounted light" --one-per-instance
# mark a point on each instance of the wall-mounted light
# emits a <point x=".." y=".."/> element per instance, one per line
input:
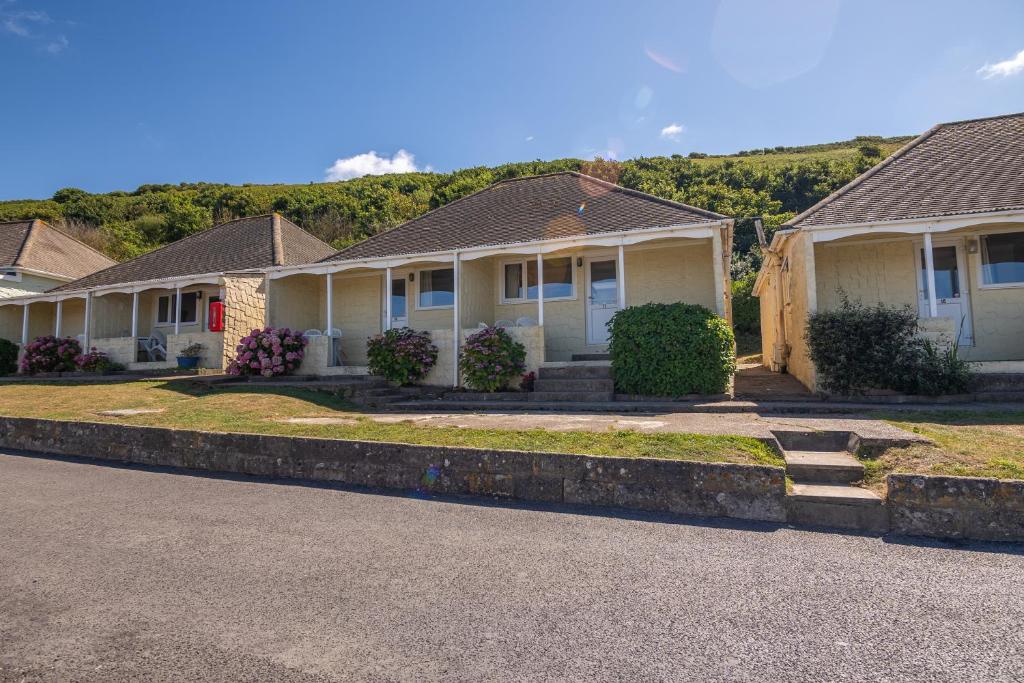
<point x="412" y="277"/>
<point x="972" y="246"/>
<point x="579" y="261"/>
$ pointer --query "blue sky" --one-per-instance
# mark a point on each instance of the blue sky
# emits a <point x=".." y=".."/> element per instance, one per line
<point x="108" y="95"/>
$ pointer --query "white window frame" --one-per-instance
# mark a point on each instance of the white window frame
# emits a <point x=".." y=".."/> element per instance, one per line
<point x="980" y="260"/>
<point x="502" y="299"/>
<point x="10" y="275"/>
<point x="170" y="298"/>
<point x="419" y="281"/>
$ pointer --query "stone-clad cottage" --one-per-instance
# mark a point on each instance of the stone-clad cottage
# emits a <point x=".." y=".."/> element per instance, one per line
<point x="550" y="257"/>
<point x="938" y="226"/>
<point x="35" y="257"/>
<point x="207" y="288"/>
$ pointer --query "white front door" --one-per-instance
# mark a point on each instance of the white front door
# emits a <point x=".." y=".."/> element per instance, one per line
<point x="399" y="304"/>
<point x="951" y="292"/>
<point x="602" y="298"/>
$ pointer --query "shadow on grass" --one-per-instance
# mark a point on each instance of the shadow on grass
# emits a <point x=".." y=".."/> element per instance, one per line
<point x="315" y="397"/>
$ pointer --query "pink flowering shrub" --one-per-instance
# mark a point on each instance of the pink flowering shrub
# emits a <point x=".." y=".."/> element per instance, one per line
<point x="96" y="361"/>
<point x="491" y="359"/>
<point x="269" y="352"/>
<point x="402" y="355"/>
<point x="50" y="354"/>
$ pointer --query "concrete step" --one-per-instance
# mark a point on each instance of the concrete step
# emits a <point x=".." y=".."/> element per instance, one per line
<point x="582" y="385"/>
<point x="833" y="467"/>
<point x="571" y="396"/>
<point x="998" y="382"/>
<point x="565" y="371"/>
<point x="591" y="356"/>
<point x="485" y="397"/>
<point x="837" y="505"/>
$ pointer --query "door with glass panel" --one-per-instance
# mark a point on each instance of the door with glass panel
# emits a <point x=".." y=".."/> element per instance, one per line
<point x="602" y="298"/>
<point x="399" y="304"/>
<point x="952" y="297"/>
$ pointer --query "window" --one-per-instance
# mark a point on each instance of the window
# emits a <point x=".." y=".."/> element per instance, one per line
<point x="1002" y="259"/>
<point x="519" y="279"/>
<point x="166" y="306"/>
<point x="10" y="275"/>
<point x="437" y="288"/>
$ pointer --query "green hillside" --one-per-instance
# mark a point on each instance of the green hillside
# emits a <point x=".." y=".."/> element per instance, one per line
<point x="773" y="183"/>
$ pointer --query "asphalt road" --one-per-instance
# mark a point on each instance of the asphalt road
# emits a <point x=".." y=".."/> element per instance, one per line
<point x="111" y="573"/>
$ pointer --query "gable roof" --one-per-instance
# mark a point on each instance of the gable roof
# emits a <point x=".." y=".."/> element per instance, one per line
<point x="955" y="168"/>
<point x="37" y="245"/>
<point x="528" y="209"/>
<point x="241" y="244"/>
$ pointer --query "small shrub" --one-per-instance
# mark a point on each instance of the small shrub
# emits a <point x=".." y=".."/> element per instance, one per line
<point x="856" y="348"/>
<point x="96" y="361"/>
<point x="527" y="380"/>
<point x="671" y="350"/>
<point x="50" y="354"/>
<point x="192" y="351"/>
<point x="8" y="357"/>
<point x="401" y="355"/>
<point x="491" y="359"/>
<point x="269" y="352"/>
<point x="746" y="308"/>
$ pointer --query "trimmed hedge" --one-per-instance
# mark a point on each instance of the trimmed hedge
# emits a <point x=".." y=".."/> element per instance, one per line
<point x="671" y="350"/>
<point x="8" y="357"/>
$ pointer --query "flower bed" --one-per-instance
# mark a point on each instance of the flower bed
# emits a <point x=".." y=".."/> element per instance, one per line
<point x="51" y="354"/>
<point x="401" y="355"/>
<point x="268" y="353"/>
<point x="491" y="359"/>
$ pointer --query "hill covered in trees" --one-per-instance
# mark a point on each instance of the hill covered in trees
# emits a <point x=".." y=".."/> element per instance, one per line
<point x="772" y="183"/>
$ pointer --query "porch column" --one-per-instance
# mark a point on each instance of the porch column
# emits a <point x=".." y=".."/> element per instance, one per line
<point x="135" y="315"/>
<point x="330" y="318"/>
<point x="540" y="289"/>
<point x="620" y="278"/>
<point x="456" y="318"/>
<point x="387" y="298"/>
<point x="87" y="331"/>
<point x="177" y="312"/>
<point x="718" y="268"/>
<point x="810" y="274"/>
<point x="266" y="301"/>
<point x="24" y="324"/>
<point x="57" y="318"/>
<point x="929" y="275"/>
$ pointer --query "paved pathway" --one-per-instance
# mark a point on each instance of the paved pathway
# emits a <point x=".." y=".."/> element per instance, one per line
<point x="127" y="573"/>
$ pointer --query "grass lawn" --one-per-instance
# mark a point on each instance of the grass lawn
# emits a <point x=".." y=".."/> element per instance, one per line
<point x="260" y="409"/>
<point x="968" y="444"/>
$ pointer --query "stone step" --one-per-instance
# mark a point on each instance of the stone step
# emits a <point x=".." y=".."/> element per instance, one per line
<point x="574" y="372"/>
<point x="837" y="505"/>
<point x="583" y="385"/>
<point x="485" y="397"/>
<point x="997" y="382"/>
<point x="591" y="356"/>
<point x="572" y="396"/>
<point x="835" y="467"/>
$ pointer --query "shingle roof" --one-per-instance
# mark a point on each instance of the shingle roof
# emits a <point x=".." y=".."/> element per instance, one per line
<point x="954" y="168"/>
<point x="528" y="209"/>
<point x="241" y="244"/>
<point x="37" y="245"/>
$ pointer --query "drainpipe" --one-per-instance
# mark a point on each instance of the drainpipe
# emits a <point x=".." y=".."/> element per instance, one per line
<point x="540" y="289"/>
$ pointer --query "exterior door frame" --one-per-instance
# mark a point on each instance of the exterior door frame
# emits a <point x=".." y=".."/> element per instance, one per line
<point x="587" y="261"/>
<point x="965" y="285"/>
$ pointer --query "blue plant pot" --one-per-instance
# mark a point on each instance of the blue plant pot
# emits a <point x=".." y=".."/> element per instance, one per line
<point x="188" y="362"/>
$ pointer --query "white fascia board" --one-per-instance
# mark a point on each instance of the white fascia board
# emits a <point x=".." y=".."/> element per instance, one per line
<point x="914" y="226"/>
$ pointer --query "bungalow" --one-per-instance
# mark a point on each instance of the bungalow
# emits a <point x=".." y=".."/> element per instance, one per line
<point x="551" y="258"/>
<point x="207" y="288"/>
<point x="938" y="226"/>
<point x="35" y="257"/>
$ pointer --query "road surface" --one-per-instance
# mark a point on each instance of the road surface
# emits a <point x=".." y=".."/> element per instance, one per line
<point x="111" y="573"/>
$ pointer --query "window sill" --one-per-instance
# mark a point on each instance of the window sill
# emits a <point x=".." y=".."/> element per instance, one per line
<point x="1006" y="285"/>
<point x="547" y="300"/>
<point x="435" y="308"/>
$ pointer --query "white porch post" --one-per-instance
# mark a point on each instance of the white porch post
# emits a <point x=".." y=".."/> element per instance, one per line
<point x="57" y="323"/>
<point x="540" y="289"/>
<point x="87" y="331"/>
<point x="177" y="312"/>
<point x="810" y="274"/>
<point x="135" y="315"/>
<point x="266" y="301"/>
<point x="456" y="319"/>
<point x="718" y="269"/>
<point x="929" y="274"/>
<point x="24" y="324"/>
<point x="620" y="278"/>
<point x="387" y="298"/>
<point x="330" y="318"/>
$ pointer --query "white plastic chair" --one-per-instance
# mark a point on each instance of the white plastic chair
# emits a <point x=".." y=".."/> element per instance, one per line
<point x="153" y="348"/>
<point x="482" y="326"/>
<point x="504" y="323"/>
<point x="335" y="332"/>
<point x="313" y="333"/>
<point x="526" y="321"/>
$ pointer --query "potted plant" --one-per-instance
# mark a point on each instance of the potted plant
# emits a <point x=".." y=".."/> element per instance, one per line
<point x="188" y="359"/>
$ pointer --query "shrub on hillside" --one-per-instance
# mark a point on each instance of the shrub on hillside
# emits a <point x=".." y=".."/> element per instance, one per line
<point x="746" y="308"/>
<point x="50" y="354"/>
<point x="856" y="348"/>
<point x="671" y="350"/>
<point x="8" y="357"/>
<point x="401" y="355"/>
<point x="491" y="359"/>
<point x="269" y="352"/>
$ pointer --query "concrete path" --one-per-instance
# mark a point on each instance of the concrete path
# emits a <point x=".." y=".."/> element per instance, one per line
<point x="128" y="573"/>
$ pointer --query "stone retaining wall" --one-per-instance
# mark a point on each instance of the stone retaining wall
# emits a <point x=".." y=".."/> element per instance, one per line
<point x="956" y="507"/>
<point x="706" y="489"/>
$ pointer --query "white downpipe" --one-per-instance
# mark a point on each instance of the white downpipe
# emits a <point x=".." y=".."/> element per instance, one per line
<point x="24" y="324"/>
<point x="929" y="274"/>
<point x="135" y="315"/>
<point x="620" y="278"/>
<point x="540" y="289"/>
<point x="456" y="319"/>
<point x="387" y="298"/>
<point x="57" y="322"/>
<point x="330" y="318"/>
<point x="87" y="331"/>
<point x="177" y="312"/>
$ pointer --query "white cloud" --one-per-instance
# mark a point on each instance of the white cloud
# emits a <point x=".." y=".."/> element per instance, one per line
<point x="369" y="163"/>
<point x="529" y="138"/>
<point x="58" y="45"/>
<point x="17" y="22"/>
<point x="672" y="131"/>
<point x="1007" y="67"/>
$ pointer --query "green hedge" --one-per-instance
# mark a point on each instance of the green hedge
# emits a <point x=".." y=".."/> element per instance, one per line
<point x="8" y="357"/>
<point x="671" y="350"/>
<point x="746" y="308"/>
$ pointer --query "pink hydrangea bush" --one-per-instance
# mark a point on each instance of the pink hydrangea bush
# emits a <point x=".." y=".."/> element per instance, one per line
<point x="50" y="354"/>
<point x="491" y="359"/>
<point x="96" y="361"/>
<point x="401" y="355"/>
<point x="269" y="352"/>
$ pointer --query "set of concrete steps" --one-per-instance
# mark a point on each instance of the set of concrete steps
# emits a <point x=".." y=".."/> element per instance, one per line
<point x="823" y="470"/>
<point x="588" y="379"/>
